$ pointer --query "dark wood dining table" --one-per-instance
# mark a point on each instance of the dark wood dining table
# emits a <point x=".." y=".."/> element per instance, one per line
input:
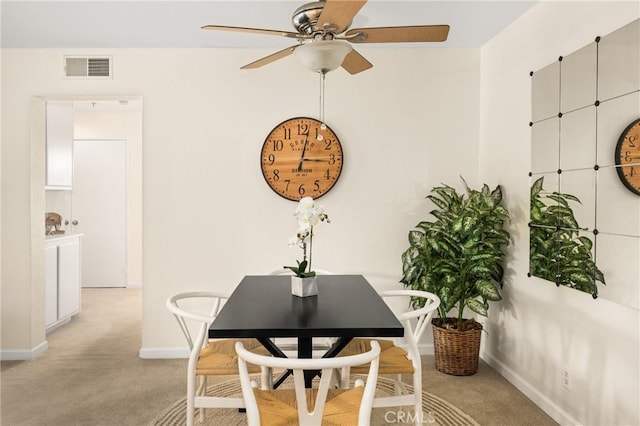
<point x="346" y="306"/>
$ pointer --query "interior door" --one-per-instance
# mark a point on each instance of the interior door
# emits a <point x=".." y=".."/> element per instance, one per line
<point x="98" y="208"/>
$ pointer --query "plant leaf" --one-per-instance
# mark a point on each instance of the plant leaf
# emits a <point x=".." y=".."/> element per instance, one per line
<point x="488" y="290"/>
<point x="416" y="238"/>
<point x="477" y="307"/>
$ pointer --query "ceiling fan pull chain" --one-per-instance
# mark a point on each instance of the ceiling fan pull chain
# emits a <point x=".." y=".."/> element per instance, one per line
<point x="323" y="126"/>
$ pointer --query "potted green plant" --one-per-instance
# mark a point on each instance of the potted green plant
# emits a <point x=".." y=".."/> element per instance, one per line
<point x="458" y="256"/>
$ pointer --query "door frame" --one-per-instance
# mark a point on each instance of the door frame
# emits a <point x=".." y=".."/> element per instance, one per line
<point x="37" y="197"/>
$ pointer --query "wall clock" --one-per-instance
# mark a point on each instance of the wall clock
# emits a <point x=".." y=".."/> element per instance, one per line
<point x="301" y="157"/>
<point x="627" y="155"/>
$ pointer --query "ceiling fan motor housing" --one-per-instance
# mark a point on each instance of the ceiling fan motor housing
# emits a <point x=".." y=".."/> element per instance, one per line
<point x="306" y="17"/>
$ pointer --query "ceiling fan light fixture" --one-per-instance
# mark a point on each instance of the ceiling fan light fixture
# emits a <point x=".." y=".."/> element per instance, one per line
<point x="324" y="55"/>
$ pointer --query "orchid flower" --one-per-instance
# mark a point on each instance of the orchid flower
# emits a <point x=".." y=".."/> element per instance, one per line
<point x="307" y="215"/>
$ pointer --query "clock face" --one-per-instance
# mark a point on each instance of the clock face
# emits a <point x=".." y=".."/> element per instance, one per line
<point x="628" y="157"/>
<point x="301" y="157"/>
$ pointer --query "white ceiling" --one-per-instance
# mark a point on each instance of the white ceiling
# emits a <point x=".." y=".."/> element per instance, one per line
<point x="176" y="24"/>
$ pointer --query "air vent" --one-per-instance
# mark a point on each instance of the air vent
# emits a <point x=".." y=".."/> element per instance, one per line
<point x="87" y="66"/>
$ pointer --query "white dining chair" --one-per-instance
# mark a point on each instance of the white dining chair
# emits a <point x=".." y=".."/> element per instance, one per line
<point x="400" y="356"/>
<point x="323" y="404"/>
<point x="208" y="357"/>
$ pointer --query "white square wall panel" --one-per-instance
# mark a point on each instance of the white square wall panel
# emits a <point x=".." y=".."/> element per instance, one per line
<point x="581" y="184"/>
<point x="545" y="145"/>
<point x="578" y="139"/>
<point x="619" y="62"/>
<point x="578" y="78"/>
<point x="617" y="209"/>
<point x="545" y="92"/>
<point x="618" y="257"/>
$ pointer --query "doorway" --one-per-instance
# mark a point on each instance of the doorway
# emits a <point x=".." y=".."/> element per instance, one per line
<point x="98" y="122"/>
<point x="99" y="118"/>
<point x="95" y="117"/>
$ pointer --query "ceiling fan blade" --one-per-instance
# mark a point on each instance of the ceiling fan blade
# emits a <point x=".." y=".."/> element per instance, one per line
<point x="354" y="63"/>
<point x="253" y="31"/>
<point x="271" y="58"/>
<point x="339" y="13"/>
<point x="420" y="33"/>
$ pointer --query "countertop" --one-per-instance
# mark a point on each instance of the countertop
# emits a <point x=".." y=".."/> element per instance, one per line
<point x="61" y="236"/>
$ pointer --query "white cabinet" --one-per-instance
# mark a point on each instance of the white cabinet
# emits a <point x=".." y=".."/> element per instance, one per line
<point x="62" y="282"/>
<point x="59" y="145"/>
<point x="68" y="277"/>
<point x="51" y="284"/>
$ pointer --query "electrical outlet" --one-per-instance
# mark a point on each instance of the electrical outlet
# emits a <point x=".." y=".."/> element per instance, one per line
<point x="566" y="378"/>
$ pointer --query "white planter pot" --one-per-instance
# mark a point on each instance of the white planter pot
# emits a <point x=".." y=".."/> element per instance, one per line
<point x="303" y="287"/>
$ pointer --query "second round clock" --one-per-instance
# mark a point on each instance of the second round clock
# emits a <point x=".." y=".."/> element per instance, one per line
<point x="627" y="157"/>
<point x="301" y="157"/>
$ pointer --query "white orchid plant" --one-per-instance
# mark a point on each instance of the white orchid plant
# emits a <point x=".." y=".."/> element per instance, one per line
<point x="308" y="215"/>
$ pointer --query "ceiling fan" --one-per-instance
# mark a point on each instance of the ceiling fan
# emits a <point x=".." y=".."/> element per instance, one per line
<point x="323" y="27"/>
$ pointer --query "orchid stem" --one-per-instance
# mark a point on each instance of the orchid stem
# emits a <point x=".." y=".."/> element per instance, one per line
<point x="310" y="247"/>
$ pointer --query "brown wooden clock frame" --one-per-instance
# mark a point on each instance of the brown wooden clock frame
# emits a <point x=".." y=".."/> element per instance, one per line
<point x="627" y="157"/>
<point x="301" y="157"/>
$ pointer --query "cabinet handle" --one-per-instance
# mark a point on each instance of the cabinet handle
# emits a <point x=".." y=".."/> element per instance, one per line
<point x="74" y="222"/>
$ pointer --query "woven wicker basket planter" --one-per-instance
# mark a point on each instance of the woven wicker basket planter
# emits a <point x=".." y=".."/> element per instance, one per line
<point x="456" y="352"/>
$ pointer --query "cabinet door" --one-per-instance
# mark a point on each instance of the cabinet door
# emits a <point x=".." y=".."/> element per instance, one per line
<point x="59" y="144"/>
<point x="51" y="285"/>
<point x="68" y="278"/>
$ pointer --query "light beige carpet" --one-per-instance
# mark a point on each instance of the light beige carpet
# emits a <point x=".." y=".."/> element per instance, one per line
<point x="436" y="411"/>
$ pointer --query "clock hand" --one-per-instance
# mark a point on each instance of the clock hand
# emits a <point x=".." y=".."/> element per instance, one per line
<point x="315" y="159"/>
<point x="304" y="148"/>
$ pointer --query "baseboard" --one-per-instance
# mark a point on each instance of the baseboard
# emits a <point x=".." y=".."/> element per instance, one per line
<point x="163" y="353"/>
<point x="545" y="404"/>
<point x="134" y="284"/>
<point x="426" y="348"/>
<point x="57" y="325"/>
<point x="23" y="355"/>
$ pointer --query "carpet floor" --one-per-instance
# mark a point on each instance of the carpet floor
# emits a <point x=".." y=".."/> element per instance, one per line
<point x="92" y="375"/>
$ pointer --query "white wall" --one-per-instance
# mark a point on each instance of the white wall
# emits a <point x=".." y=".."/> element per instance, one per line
<point x="209" y="218"/>
<point x="539" y="329"/>
<point x="1" y="186"/>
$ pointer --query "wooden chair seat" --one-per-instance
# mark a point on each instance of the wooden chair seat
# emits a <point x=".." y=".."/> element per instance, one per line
<point x="279" y="407"/>
<point x="219" y="357"/>
<point x="393" y="359"/>
<point x="317" y="406"/>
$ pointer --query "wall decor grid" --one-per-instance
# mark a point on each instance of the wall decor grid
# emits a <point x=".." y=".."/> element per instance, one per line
<point x="584" y="223"/>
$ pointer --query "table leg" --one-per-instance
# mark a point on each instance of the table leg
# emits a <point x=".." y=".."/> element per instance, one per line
<point x="271" y="347"/>
<point x="305" y="350"/>
<point x="339" y="345"/>
<point x="275" y="351"/>
<point x="305" y="347"/>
